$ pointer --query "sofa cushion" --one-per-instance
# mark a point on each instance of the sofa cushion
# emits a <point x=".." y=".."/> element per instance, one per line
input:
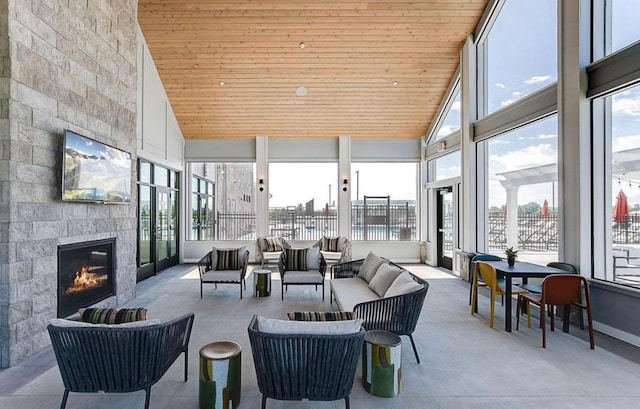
<point x="61" y="322"/>
<point x="403" y="284"/>
<point x="274" y="326"/>
<point x="351" y="291"/>
<point x="321" y="315"/>
<point x="302" y="277"/>
<point x="220" y="276"/>
<point x="112" y="315"/>
<point x="313" y="258"/>
<point x="331" y="255"/>
<point x="228" y="259"/>
<point x="370" y="266"/>
<point x="383" y="278"/>
<point x="295" y="259"/>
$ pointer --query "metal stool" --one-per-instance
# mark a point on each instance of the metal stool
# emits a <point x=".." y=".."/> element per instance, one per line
<point x="220" y="375"/>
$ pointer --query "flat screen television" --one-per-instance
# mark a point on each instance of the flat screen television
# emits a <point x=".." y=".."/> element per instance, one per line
<point x="94" y="172"/>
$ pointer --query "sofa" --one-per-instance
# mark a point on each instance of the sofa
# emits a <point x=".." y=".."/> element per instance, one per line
<point x="269" y="249"/>
<point x="224" y="266"/>
<point x="296" y="360"/>
<point x="118" y="358"/>
<point x="383" y="294"/>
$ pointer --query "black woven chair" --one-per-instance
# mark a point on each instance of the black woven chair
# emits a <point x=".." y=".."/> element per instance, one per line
<point x="117" y="359"/>
<point x="397" y="314"/>
<point x="304" y="366"/>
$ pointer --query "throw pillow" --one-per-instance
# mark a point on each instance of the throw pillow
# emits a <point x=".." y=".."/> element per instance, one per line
<point x="383" y="279"/>
<point x="370" y="266"/>
<point x="274" y="244"/>
<point x="403" y="284"/>
<point x="112" y="315"/>
<point x="295" y="260"/>
<point x="331" y="244"/>
<point x="321" y="316"/>
<point x="273" y="326"/>
<point x="313" y="258"/>
<point x="228" y="259"/>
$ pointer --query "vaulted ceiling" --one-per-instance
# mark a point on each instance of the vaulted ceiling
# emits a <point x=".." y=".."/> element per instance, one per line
<point x="354" y="52"/>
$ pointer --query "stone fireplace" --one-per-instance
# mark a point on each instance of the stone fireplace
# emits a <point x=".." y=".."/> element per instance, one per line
<point x="86" y="274"/>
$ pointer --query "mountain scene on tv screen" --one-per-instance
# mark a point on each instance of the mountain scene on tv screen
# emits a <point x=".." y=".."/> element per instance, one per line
<point x="95" y="172"/>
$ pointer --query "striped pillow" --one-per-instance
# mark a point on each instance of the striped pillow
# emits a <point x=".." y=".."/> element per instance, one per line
<point x="331" y="244"/>
<point x="295" y="260"/>
<point x="228" y="259"/>
<point x="274" y="244"/>
<point x="321" y="316"/>
<point x="112" y="315"/>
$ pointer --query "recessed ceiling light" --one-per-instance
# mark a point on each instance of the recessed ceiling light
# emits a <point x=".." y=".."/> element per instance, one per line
<point x="394" y="83"/>
<point x="221" y="83"/>
<point x="301" y="91"/>
<point x="302" y="45"/>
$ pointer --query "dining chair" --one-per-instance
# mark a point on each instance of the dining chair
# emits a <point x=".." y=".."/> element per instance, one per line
<point x="473" y="269"/>
<point x="537" y="288"/>
<point x="490" y="277"/>
<point x="558" y="289"/>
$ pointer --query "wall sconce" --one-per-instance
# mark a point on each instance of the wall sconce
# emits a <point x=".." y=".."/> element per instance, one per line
<point x="345" y="182"/>
<point x="261" y="185"/>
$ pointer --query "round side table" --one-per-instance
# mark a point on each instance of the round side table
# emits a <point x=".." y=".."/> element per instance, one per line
<point x="262" y="283"/>
<point x="381" y="363"/>
<point x="220" y="375"/>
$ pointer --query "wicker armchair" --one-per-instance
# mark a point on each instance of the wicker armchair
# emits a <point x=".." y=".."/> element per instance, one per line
<point x="118" y="358"/>
<point x="210" y="275"/>
<point x="307" y="277"/>
<point x="305" y="366"/>
<point x="397" y="314"/>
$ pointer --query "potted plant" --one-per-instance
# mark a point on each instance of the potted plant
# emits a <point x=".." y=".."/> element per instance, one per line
<point x="511" y="256"/>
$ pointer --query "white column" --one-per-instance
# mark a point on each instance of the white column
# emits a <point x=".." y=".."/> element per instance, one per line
<point x="512" y="217"/>
<point x="574" y="156"/>
<point x="344" y="197"/>
<point x="471" y="187"/>
<point x="262" y="198"/>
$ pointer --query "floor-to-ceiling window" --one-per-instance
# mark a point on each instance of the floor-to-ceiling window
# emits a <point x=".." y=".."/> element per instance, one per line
<point x="222" y="201"/>
<point x="383" y="201"/>
<point x="302" y="200"/>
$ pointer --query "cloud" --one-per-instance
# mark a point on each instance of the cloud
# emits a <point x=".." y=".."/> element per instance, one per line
<point x="500" y="85"/>
<point x="547" y="136"/>
<point x="455" y="106"/>
<point x="447" y="129"/>
<point x="537" y="155"/>
<point x="537" y="79"/>
<point x="516" y="93"/>
<point x="507" y="102"/>
<point x="624" y="143"/>
<point x="626" y="106"/>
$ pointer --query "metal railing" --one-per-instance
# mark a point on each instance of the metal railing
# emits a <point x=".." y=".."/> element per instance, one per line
<point x="535" y="231"/>
<point x="626" y="230"/>
<point x="236" y="226"/>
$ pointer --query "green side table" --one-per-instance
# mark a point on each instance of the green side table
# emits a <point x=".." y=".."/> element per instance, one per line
<point x="261" y="283"/>
<point x="220" y="376"/>
<point x="381" y="363"/>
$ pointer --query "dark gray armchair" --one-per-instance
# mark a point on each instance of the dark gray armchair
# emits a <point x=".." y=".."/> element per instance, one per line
<point x="118" y="358"/>
<point x="210" y="274"/>
<point x="317" y="367"/>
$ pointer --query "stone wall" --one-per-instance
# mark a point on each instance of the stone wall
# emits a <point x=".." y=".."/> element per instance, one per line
<point x="71" y="65"/>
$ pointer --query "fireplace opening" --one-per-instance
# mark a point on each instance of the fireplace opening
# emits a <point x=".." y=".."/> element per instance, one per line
<point x="86" y="274"/>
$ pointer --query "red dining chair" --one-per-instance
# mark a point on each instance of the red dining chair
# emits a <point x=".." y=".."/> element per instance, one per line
<point x="558" y="289"/>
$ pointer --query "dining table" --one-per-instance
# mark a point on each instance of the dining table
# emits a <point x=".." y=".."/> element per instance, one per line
<point x="523" y="270"/>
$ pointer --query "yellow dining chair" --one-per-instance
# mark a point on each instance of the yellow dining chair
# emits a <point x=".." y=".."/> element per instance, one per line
<point x="489" y="275"/>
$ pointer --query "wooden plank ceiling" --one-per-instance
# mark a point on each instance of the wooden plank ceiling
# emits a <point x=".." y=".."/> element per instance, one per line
<point x="353" y="53"/>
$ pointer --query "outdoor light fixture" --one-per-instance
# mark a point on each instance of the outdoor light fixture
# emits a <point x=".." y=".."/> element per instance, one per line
<point x="345" y="182"/>
<point x="261" y="184"/>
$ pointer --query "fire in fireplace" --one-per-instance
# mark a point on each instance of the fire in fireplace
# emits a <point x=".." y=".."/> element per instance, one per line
<point x="86" y="274"/>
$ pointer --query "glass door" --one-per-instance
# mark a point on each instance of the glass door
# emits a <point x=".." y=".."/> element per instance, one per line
<point x="163" y="231"/>
<point x="445" y="227"/>
<point x="146" y="266"/>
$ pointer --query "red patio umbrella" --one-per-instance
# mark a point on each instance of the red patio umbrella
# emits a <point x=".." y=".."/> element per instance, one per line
<point x="545" y="208"/>
<point x="621" y="209"/>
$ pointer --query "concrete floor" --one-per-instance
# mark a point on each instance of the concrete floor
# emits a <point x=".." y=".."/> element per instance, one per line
<point x="465" y="364"/>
